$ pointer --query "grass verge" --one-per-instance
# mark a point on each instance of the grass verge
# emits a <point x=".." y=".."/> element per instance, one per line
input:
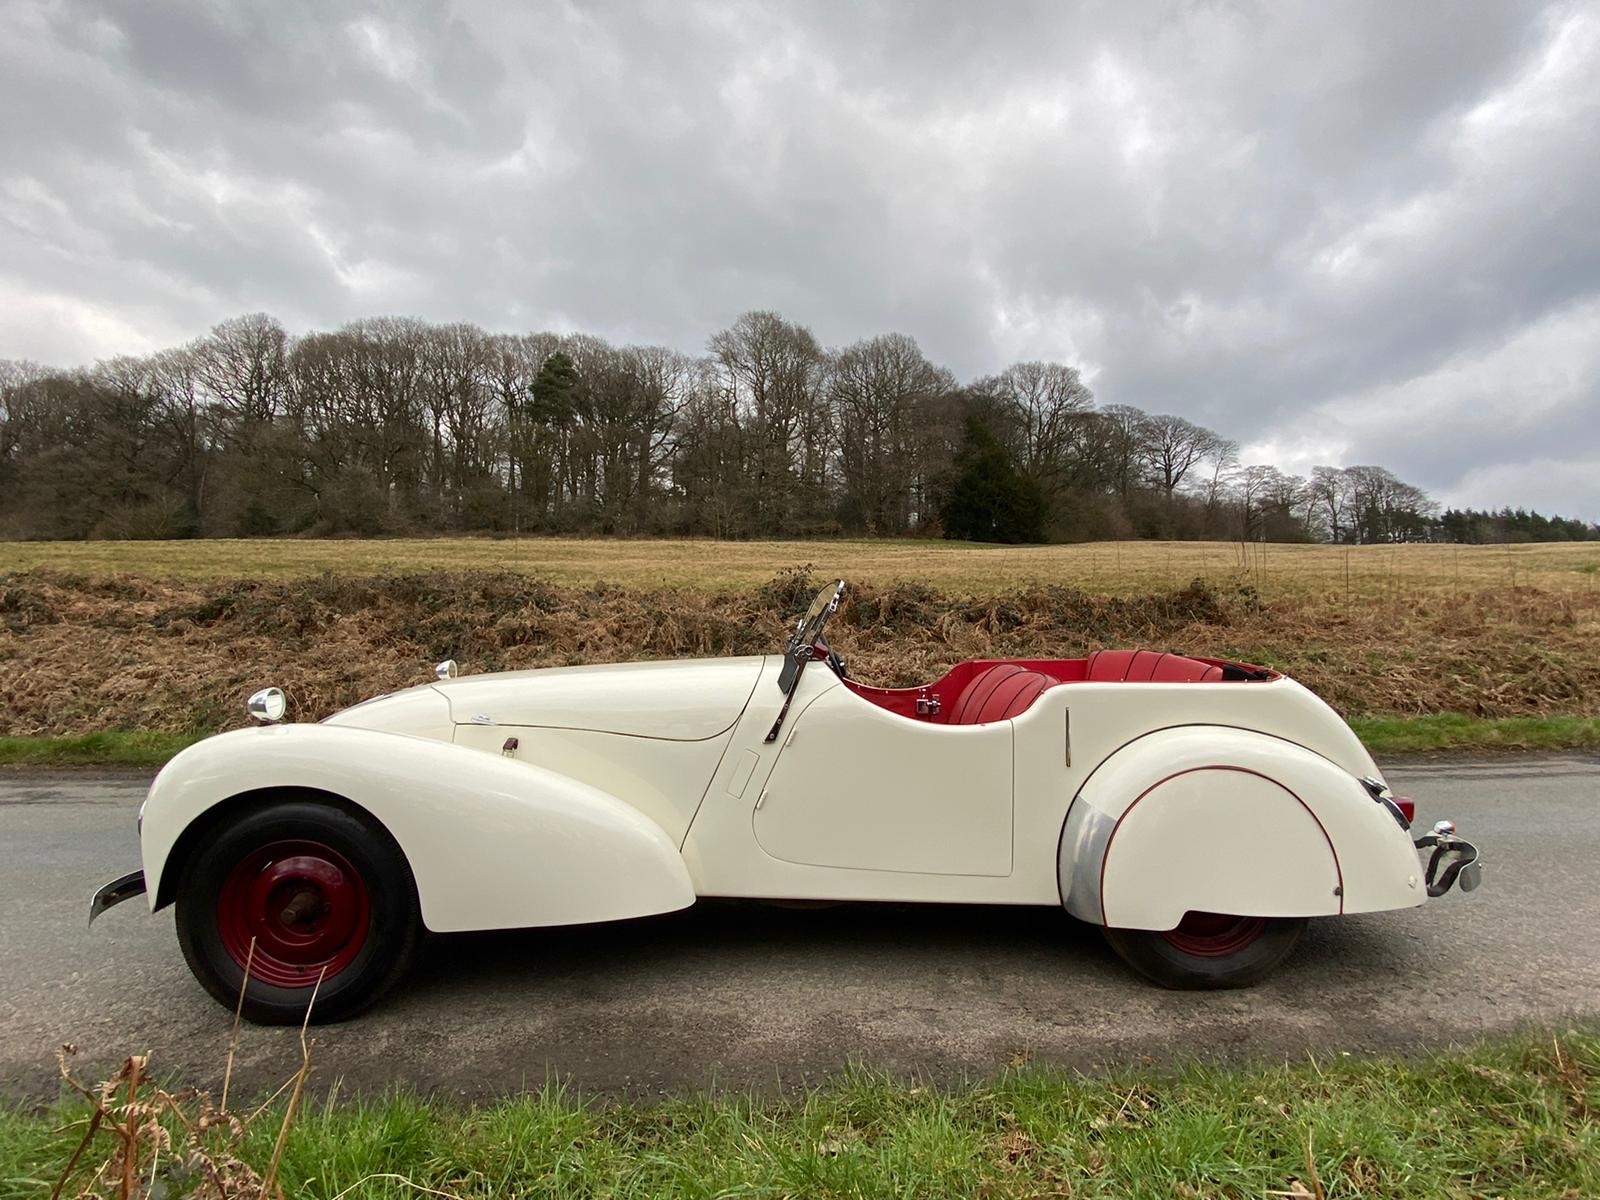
<point x="1456" y="731"/>
<point x="1382" y="735"/>
<point x="114" y="748"/>
<point x="1512" y="1118"/>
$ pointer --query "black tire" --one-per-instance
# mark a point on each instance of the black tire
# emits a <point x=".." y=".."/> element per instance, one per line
<point x="1240" y="955"/>
<point x="356" y="918"/>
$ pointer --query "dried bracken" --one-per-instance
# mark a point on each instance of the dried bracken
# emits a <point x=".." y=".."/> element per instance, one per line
<point x="87" y="653"/>
<point x="168" y="1144"/>
<point x="161" y="1143"/>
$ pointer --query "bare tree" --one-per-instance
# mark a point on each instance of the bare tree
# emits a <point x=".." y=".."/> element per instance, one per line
<point x="186" y="430"/>
<point x="1050" y="401"/>
<point x="774" y="370"/>
<point x="1223" y="459"/>
<point x="708" y="456"/>
<point x="463" y="443"/>
<point x="1249" y="488"/>
<point x="1330" y="493"/>
<point x="635" y="396"/>
<point x="1386" y="509"/>
<point x="19" y="393"/>
<point x="243" y="363"/>
<point x="1283" y="502"/>
<point x="878" y="390"/>
<point x="514" y="365"/>
<point x="1118" y="435"/>
<point x="1172" y="447"/>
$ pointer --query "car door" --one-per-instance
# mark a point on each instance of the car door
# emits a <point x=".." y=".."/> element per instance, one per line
<point x="858" y="787"/>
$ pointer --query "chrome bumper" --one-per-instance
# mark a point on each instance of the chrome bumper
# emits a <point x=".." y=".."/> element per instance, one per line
<point x="123" y="888"/>
<point x="1454" y="860"/>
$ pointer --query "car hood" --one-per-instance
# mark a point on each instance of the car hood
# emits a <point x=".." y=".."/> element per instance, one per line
<point x="683" y="700"/>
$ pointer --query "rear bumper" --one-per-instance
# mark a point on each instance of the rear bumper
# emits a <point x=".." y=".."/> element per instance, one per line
<point x="124" y="887"/>
<point x="1454" y="860"/>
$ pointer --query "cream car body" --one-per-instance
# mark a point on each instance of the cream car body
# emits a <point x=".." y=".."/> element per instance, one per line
<point x="573" y="795"/>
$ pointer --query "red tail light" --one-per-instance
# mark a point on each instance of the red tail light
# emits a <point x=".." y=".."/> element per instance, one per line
<point x="1407" y="806"/>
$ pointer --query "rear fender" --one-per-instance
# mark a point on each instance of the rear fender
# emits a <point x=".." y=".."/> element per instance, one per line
<point x="1210" y="818"/>
<point x="493" y="843"/>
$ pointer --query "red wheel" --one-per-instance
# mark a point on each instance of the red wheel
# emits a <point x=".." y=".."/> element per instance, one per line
<point x="324" y="894"/>
<point x="1214" y="935"/>
<point x="1209" y="950"/>
<point x="305" y="907"/>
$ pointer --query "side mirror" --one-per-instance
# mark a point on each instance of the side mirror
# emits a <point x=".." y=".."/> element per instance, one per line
<point x="446" y="670"/>
<point x="268" y="705"/>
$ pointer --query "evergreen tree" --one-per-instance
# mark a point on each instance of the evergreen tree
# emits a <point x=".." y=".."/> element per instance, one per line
<point x="989" y="500"/>
<point x="553" y="389"/>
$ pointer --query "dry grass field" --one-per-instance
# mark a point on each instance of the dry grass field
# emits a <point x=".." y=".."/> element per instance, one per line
<point x="1329" y="573"/>
<point x="171" y="636"/>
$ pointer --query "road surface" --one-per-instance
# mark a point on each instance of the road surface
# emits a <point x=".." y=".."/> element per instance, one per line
<point x="748" y="996"/>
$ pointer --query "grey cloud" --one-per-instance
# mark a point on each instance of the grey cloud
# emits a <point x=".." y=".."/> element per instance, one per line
<point x="1281" y="220"/>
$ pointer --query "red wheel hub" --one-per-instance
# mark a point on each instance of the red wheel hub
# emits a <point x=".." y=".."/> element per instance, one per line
<point x="1213" y="935"/>
<point x="304" y="905"/>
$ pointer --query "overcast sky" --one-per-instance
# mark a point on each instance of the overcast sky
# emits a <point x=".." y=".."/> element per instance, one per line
<point x="1336" y="232"/>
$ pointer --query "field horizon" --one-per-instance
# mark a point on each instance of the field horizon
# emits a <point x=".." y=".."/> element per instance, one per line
<point x="958" y="568"/>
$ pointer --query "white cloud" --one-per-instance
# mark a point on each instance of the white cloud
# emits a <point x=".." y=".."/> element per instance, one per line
<point x="1547" y="485"/>
<point x="64" y="331"/>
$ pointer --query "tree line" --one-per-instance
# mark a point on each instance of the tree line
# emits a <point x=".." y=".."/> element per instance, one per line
<point x="394" y="425"/>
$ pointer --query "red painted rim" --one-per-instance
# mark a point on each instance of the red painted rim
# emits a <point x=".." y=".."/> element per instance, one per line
<point x="1214" y="935"/>
<point x="304" y="904"/>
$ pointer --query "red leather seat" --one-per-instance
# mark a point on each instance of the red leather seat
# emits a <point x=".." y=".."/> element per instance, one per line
<point x="1147" y="666"/>
<point x="997" y="694"/>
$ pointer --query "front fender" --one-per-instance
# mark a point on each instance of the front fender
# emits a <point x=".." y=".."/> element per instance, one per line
<point x="493" y="843"/>
<point x="1210" y="818"/>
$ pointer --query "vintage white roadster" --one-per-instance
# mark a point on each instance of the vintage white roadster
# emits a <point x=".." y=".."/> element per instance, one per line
<point x="1199" y="811"/>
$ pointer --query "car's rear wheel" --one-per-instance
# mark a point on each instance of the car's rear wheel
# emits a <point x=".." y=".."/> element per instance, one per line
<point x="1209" y="950"/>
<point x="313" y="897"/>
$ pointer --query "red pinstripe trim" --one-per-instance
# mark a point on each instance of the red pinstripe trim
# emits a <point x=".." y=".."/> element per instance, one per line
<point x="1106" y="857"/>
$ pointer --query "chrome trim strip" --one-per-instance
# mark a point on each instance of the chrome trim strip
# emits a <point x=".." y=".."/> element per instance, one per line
<point x="1083" y="850"/>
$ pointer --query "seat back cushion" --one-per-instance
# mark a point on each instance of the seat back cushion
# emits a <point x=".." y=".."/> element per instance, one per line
<point x="1148" y="666"/>
<point x="997" y="694"/>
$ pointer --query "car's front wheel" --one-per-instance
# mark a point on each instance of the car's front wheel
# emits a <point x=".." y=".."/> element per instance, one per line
<point x="1209" y="950"/>
<point x="314" y="898"/>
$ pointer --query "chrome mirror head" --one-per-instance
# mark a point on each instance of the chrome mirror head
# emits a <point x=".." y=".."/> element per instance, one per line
<point x="268" y="705"/>
<point x="446" y="670"/>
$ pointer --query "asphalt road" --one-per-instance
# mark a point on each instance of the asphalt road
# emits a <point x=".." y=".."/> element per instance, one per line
<point x="750" y="996"/>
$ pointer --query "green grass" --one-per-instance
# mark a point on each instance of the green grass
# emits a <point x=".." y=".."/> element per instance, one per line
<point x="114" y="748"/>
<point x="1456" y="731"/>
<point x="1513" y="1118"/>
<point x="1382" y="735"/>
